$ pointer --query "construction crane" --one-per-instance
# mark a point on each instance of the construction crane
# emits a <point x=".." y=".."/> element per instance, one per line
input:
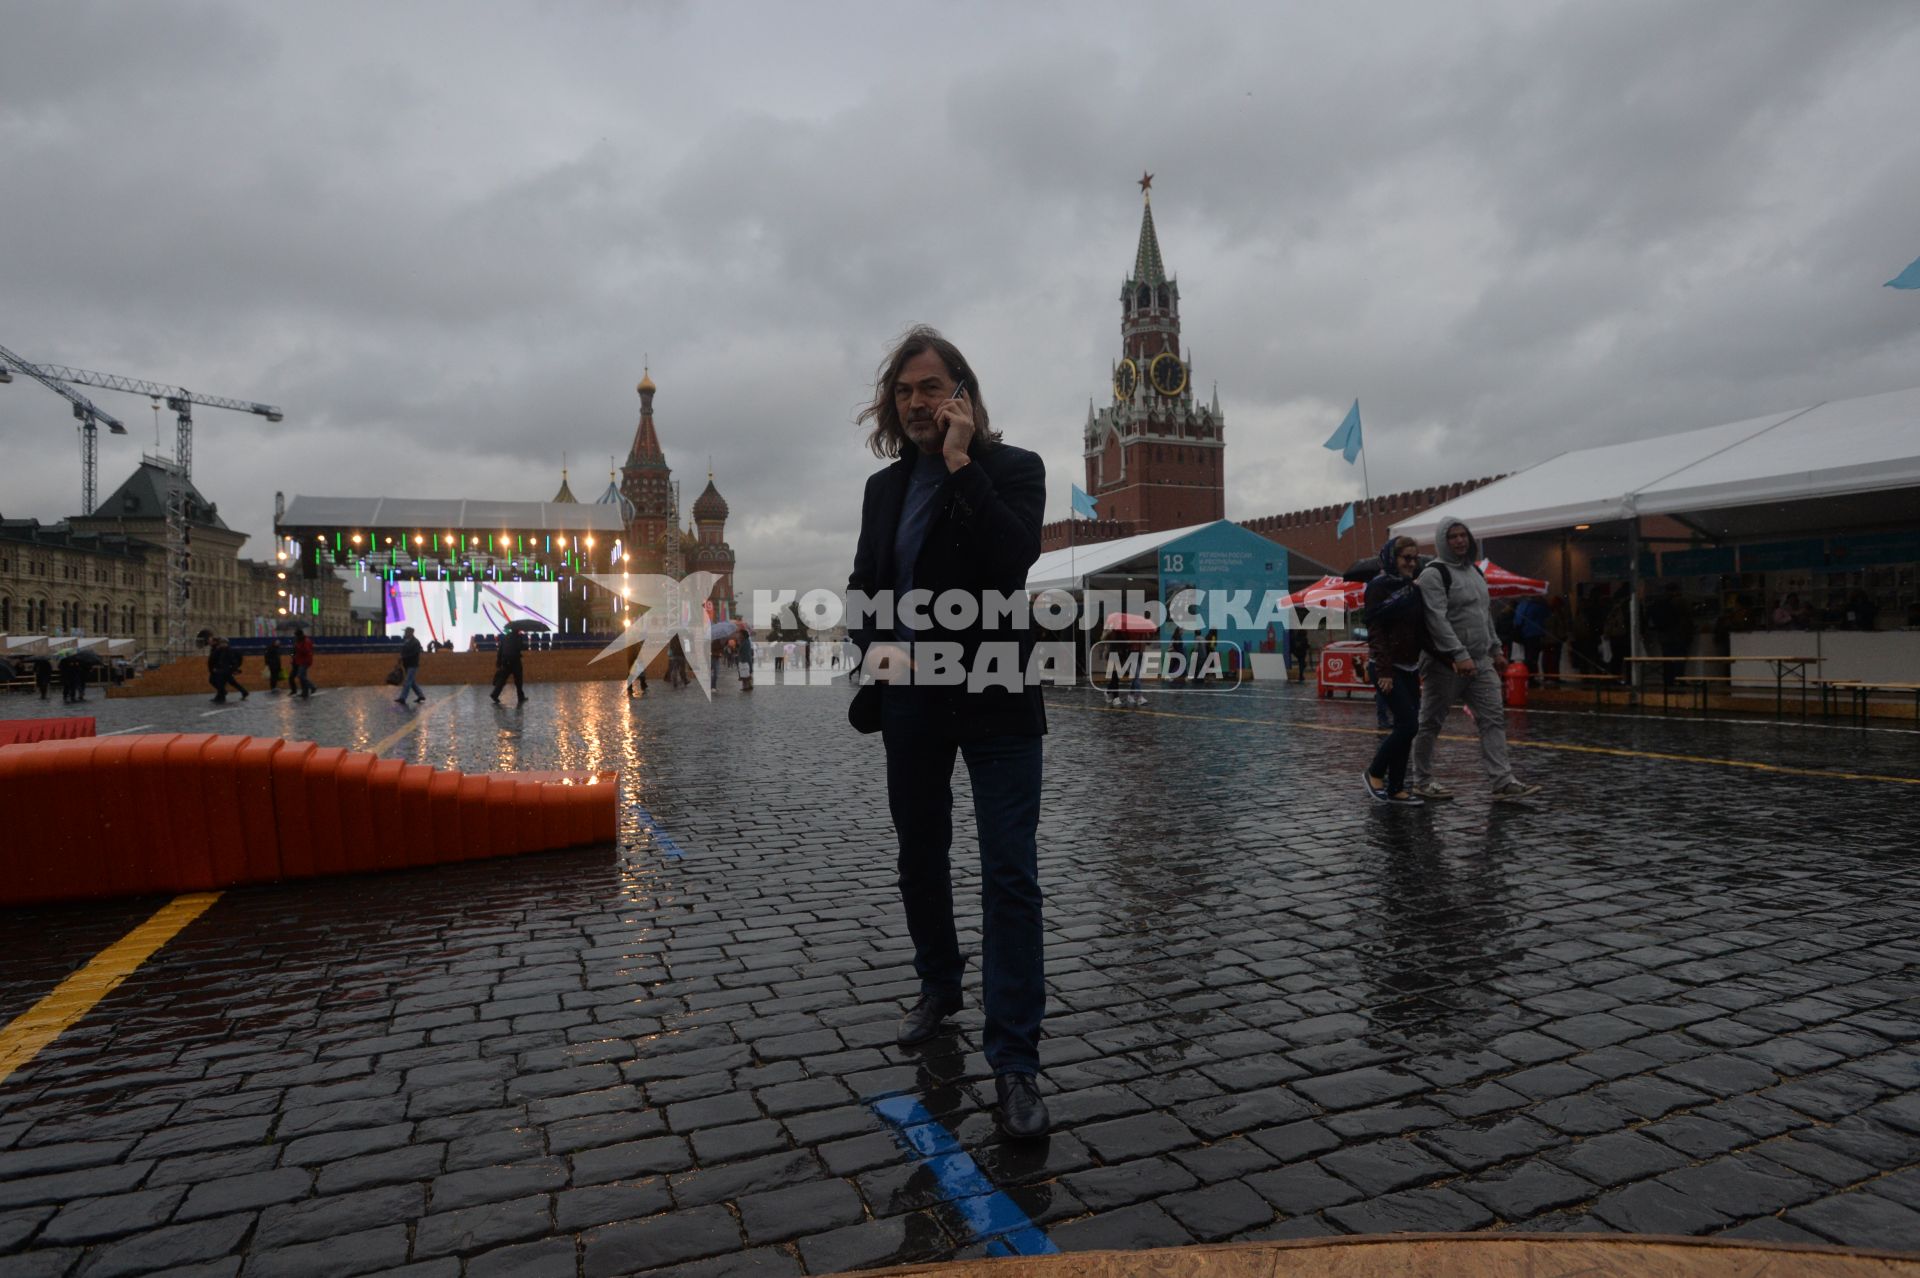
<point x="91" y="418"/>
<point x="179" y="472"/>
<point x="179" y="400"/>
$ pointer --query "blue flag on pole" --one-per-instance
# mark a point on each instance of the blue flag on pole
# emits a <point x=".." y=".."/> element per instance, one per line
<point x="1346" y="521"/>
<point x="1346" y="440"/>
<point x="1909" y="278"/>
<point x="1083" y="504"/>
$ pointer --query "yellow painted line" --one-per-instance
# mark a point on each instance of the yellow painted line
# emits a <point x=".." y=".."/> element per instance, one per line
<point x="1745" y="764"/>
<point x="415" y="719"/>
<point x="25" y="1035"/>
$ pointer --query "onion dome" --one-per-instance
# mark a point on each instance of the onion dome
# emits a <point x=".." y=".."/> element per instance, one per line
<point x="709" y="507"/>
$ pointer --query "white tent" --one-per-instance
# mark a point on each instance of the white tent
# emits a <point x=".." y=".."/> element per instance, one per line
<point x="1834" y="449"/>
<point x="1066" y="569"/>
<point x="22" y="645"/>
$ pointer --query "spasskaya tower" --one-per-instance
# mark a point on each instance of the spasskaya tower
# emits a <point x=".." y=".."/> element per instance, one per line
<point x="1155" y="455"/>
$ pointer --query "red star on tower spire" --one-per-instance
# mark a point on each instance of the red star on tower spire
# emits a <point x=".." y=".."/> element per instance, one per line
<point x="1146" y="184"/>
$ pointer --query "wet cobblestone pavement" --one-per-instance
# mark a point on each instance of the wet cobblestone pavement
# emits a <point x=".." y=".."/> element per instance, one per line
<point x="1676" y="995"/>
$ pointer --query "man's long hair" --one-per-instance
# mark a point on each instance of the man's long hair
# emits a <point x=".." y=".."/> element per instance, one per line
<point x="889" y="435"/>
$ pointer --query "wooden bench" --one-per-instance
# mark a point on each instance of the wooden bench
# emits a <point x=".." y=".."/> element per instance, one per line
<point x="1860" y="694"/>
<point x="1600" y="683"/>
<point x="1699" y="685"/>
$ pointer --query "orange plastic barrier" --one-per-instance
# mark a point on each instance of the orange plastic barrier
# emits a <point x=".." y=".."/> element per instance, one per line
<point x="188" y="812"/>
<point x="16" y="730"/>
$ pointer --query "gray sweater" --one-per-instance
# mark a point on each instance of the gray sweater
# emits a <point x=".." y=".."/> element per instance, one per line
<point x="1459" y="613"/>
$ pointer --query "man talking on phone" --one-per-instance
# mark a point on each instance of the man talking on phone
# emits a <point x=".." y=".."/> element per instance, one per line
<point x="957" y="513"/>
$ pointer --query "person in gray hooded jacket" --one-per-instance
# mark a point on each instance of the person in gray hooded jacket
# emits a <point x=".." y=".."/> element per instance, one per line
<point x="1469" y="669"/>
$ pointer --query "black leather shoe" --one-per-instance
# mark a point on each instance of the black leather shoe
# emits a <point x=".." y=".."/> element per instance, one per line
<point x="1022" y="1112"/>
<point x="922" y="1020"/>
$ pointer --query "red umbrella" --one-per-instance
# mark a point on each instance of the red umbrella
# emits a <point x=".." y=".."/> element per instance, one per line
<point x="1503" y="583"/>
<point x="1126" y="622"/>
<point x="1328" y="592"/>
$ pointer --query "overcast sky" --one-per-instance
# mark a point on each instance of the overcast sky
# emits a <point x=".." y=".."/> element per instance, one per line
<point x="445" y="236"/>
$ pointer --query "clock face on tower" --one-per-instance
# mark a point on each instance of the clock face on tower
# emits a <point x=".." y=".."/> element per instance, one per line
<point x="1167" y="373"/>
<point x="1124" y="378"/>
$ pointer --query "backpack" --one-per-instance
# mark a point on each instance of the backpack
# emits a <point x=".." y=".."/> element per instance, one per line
<point x="1446" y="574"/>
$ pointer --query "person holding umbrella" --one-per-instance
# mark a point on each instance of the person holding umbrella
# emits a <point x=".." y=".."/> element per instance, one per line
<point x="1126" y="640"/>
<point x="718" y="634"/>
<point x="507" y="665"/>
<point x="42" y="674"/>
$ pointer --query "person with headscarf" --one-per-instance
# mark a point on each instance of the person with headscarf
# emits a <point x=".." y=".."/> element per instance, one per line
<point x="1396" y="636"/>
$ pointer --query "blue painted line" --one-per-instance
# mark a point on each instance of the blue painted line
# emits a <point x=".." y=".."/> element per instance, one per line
<point x="983" y="1211"/>
<point x="661" y="839"/>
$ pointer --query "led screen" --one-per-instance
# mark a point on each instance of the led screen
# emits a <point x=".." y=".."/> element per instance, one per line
<point x="440" y="611"/>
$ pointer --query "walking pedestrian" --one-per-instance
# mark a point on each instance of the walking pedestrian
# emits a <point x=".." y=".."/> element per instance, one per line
<point x="302" y="665"/>
<point x="272" y="658"/>
<point x="69" y="677"/>
<point x="677" y="676"/>
<point x="42" y="675"/>
<point x="637" y="673"/>
<point x="1122" y="652"/>
<point x="507" y="665"/>
<point x="222" y="663"/>
<point x="1468" y="668"/>
<point x="743" y="660"/>
<point x="1396" y="636"/>
<point x="410" y="651"/>
<point x="958" y="511"/>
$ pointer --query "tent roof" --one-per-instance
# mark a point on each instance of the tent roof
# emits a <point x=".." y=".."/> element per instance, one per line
<point x="1838" y="447"/>
<point x="459" y="513"/>
<point x="1066" y="568"/>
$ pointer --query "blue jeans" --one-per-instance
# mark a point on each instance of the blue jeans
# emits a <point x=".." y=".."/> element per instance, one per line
<point x="409" y="685"/>
<point x="1006" y="810"/>
<point x="1403" y="703"/>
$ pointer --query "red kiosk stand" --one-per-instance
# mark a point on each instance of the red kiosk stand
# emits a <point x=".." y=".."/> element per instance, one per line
<point x="1343" y="668"/>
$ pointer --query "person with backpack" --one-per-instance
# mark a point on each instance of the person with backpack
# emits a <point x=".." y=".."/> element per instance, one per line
<point x="1469" y="665"/>
<point x="1396" y="636"/>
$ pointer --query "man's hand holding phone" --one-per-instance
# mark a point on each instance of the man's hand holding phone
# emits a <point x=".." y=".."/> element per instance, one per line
<point x="955" y="417"/>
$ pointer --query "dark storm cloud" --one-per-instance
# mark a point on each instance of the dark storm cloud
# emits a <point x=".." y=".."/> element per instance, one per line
<point x="447" y="245"/>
